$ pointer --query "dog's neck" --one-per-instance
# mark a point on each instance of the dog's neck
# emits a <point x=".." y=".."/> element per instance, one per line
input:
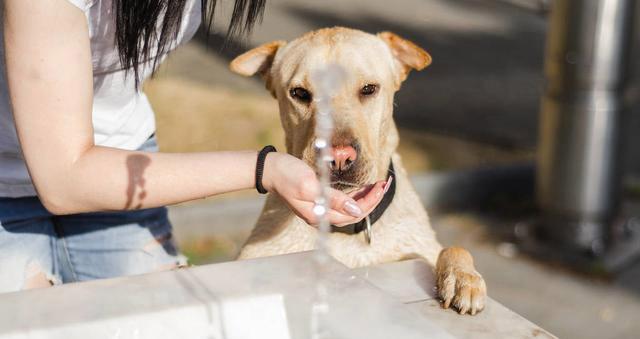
<point x="386" y="169"/>
<point x="366" y="223"/>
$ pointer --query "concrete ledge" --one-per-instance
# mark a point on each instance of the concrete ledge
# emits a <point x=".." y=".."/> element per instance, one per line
<point x="261" y="298"/>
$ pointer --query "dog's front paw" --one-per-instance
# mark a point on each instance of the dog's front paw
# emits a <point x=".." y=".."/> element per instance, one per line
<point x="465" y="289"/>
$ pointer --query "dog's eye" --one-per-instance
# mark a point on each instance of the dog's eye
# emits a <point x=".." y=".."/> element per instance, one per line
<point x="369" y="90"/>
<point x="301" y="94"/>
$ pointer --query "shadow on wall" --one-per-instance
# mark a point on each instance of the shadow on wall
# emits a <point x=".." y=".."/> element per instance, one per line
<point x="482" y="86"/>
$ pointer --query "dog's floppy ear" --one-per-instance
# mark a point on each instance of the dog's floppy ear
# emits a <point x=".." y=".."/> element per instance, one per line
<point x="257" y="60"/>
<point x="407" y="54"/>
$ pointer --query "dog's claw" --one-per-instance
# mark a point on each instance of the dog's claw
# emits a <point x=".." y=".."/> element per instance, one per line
<point x="466" y="290"/>
<point x="447" y="290"/>
<point x="447" y="303"/>
<point x="462" y="300"/>
<point x="477" y="302"/>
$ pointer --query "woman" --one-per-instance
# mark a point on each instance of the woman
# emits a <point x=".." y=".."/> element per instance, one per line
<point x="76" y="138"/>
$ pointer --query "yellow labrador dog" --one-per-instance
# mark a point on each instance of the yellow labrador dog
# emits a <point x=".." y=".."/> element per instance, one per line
<point x="364" y="149"/>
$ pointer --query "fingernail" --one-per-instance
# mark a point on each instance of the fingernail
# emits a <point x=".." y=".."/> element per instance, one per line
<point x="352" y="208"/>
<point x="387" y="185"/>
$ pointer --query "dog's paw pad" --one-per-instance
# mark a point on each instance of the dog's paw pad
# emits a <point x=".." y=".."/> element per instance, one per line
<point x="465" y="290"/>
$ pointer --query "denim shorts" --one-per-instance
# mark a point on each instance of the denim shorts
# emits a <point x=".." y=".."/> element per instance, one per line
<point x="81" y="247"/>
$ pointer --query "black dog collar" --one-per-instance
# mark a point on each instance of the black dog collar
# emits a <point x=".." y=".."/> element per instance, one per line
<point x="375" y="214"/>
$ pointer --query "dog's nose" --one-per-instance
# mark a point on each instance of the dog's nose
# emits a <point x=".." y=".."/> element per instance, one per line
<point x="343" y="157"/>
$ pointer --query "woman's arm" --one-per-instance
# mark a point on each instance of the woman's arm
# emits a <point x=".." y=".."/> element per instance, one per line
<point x="51" y="85"/>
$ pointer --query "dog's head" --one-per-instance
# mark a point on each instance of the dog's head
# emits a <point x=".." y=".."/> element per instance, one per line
<point x="365" y="136"/>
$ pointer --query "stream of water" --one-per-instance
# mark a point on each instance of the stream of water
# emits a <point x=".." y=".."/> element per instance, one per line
<point x="326" y="83"/>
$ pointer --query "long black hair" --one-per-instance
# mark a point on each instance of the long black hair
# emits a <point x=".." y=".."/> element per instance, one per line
<point x="141" y="25"/>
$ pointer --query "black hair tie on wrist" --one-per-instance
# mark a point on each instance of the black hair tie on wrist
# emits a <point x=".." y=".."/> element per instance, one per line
<point x="262" y="156"/>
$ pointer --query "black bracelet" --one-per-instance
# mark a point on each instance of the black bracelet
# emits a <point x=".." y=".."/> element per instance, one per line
<point x="260" y="167"/>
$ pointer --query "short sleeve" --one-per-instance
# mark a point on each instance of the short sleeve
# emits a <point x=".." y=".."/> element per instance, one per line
<point x="81" y="4"/>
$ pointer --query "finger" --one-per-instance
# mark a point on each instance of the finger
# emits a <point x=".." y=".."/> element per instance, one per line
<point x="304" y="210"/>
<point x="342" y="203"/>
<point x="341" y="220"/>
<point x="344" y="210"/>
<point x="360" y="192"/>
<point x="372" y="198"/>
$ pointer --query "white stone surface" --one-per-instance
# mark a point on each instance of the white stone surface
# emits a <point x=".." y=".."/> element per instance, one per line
<point x="407" y="281"/>
<point x="267" y="313"/>
<point x="263" y="298"/>
<point x="412" y="282"/>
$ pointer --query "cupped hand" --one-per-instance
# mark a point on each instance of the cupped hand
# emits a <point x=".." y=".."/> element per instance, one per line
<point x="297" y="184"/>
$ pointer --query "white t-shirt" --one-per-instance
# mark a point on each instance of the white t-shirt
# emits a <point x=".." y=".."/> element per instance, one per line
<point x="122" y="116"/>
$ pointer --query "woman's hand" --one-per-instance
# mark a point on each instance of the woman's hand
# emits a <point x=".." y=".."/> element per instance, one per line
<point x="297" y="184"/>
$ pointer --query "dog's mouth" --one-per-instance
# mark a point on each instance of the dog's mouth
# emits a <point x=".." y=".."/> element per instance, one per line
<point x="346" y="181"/>
<point x="355" y="191"/>
<point x="345" y="186"/>
<point x="350" y="180"/>
<point x="348" y="165"/>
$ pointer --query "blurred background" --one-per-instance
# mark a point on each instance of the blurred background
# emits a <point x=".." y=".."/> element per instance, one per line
<point x="469" y="128"/>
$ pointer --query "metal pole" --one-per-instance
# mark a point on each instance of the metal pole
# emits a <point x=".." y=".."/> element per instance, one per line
<point x="586" y="67"/>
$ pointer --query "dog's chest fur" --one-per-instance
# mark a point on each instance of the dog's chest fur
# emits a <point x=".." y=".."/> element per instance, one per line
<point x="402" y="232"/>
